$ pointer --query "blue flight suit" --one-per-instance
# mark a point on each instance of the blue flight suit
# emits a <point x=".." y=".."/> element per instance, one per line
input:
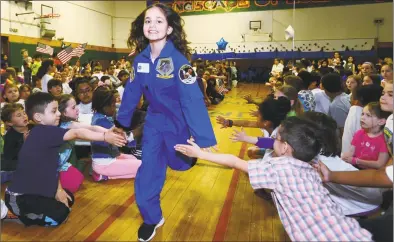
<point x="176" y="112"/>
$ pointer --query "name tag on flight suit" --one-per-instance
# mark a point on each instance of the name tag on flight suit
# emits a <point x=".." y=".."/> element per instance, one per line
<point x="143" y="67"/>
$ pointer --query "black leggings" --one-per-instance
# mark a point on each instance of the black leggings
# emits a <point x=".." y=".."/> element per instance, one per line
<point x="380" y="227"/>
<point x="38" y="210"/>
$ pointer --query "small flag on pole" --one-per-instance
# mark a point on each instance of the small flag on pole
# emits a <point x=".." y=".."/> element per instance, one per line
<point x="66" y="54"/>
<point x="79" y="50"/>
<point x="43" y="48"/>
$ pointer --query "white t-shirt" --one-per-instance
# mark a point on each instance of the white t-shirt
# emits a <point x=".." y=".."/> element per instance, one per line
<point x="352" y="200"/>
<point x="120" y="90"/>
<point x="20" y="101"/>
<point x="66" y="88"/>
<point x="276" y="69"/>
<point x="85" y="108"/>
<point x="352" y="124"/>
<point x="389" y="172"/>
<point x="44" y="82"/>
<point x="322" y="101"/>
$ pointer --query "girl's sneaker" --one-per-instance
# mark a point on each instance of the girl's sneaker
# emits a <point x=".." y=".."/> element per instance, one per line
<point x="98" y="177"/>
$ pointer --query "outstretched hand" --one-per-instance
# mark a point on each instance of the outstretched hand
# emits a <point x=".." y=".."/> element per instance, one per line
<point x="192" y="150"/>
<point x="248" y="98"/>
<point x="115" y="139"/>
<point x="224" y="122"/>
<point x="239" y="135"/>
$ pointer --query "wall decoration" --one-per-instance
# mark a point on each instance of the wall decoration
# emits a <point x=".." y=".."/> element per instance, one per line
<point x="195" y="7"/>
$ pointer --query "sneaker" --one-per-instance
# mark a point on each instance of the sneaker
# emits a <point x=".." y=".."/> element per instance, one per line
<point x="10" y="217"/>
<point x="98" y="177"/>
<point x="146" y="232"/>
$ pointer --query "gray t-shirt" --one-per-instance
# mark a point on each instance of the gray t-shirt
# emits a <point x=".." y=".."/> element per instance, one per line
<point x="339" y="109"/>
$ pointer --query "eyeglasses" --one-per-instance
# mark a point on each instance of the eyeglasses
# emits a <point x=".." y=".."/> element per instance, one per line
<point x="84" y="91"/>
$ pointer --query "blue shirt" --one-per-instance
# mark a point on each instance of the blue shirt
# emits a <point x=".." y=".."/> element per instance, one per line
<point x="36" y="173"/>
<point x="65" y="150"/>
<point x="175" y="100"/>
<point x="101" y="149"/>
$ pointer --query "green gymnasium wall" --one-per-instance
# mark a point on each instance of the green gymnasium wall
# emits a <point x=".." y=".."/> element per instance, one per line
<point x="15" y="58"/>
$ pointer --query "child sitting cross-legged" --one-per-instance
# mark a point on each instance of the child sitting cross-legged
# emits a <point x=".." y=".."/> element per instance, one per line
<point x="35" y="194"/>
<point x="304" y="205"/>
<point x="108" y="162"/>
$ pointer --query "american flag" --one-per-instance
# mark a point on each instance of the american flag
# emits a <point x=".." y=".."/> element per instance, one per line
<point x="79" y="50"/>
<point x="43" y="48"/>
<point x="66" y="54"/>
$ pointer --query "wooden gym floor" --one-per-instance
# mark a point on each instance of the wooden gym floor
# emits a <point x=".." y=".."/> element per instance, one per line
<point x="206" y="203"/>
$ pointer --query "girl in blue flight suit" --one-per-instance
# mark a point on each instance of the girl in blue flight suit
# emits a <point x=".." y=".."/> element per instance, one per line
<point x="176" y="107"/>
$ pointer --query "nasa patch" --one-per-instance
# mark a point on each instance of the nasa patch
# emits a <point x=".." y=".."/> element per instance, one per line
<point x="187" y="75"/>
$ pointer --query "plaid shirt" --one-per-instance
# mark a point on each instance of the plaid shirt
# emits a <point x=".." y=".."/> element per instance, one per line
<point x="304" y="205"/>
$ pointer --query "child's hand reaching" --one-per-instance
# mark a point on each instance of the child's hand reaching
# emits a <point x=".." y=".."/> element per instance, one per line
<point x="239" y="135"/>
<point x="115" y="139"/>
<point x="192" y="150"/>
<point x="117" y="130"/>
<point x="224" y="122"/>
<point x="253" y="113"/>
<point x="323" y="171"/>
<point x="248" y="98"/>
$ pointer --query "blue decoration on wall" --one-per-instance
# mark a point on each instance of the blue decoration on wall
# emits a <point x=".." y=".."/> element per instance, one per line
<point x="222" y="44"/>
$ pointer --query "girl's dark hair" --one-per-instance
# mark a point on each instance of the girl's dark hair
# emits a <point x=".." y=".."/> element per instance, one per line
<point x="275" y="110"/>
<point x="138" y="41"/>
<point x="303" y="136"/>
<point x="44" y="68"/>
<point x="375" y="79"/>
<point x="368" y="94"/>
<point x="34" y="80"/>
<point x="306" y="79"/>
<point x="331" y="145"/>
<point x="23" y="86"/>
<point x="63" y="105"/>
<point x="102" y="97"/>
<point x="375" y="109"/>
<point x="122" y="73"/>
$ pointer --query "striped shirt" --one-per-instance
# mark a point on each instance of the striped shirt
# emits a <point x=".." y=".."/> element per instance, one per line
<point x="304" y="205"/>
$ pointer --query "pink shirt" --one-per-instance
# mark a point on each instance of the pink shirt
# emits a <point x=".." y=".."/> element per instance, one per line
<point x="304" y="205"/>
<point x="368" y="148"/>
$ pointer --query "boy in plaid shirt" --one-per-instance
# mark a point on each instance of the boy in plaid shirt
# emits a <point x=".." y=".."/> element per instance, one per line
<point x="304" y="205"/>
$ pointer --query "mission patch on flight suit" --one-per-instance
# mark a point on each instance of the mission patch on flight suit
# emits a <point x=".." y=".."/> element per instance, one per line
<point x="187" y="75"/>
<point x="165" y="68"/>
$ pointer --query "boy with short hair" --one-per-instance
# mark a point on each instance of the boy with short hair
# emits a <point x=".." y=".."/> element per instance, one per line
<point x="304" y="205"/>
<point x="13" y="115"/>
<point x="35" y="195"/>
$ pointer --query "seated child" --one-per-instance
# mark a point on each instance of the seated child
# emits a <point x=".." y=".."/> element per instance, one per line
<point x="11" y="94"/>
<point x="55" y="88"/>
<point x="304" y="205"/>
<point x="368" y="149"/>
<point x="24" y="91"/>
<point x="14" y="116"/>
<point x="271" y="113"/>
<point x="35" y="194"/>
<point x="354" y="201"/>
<point x="108" y="162"/>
